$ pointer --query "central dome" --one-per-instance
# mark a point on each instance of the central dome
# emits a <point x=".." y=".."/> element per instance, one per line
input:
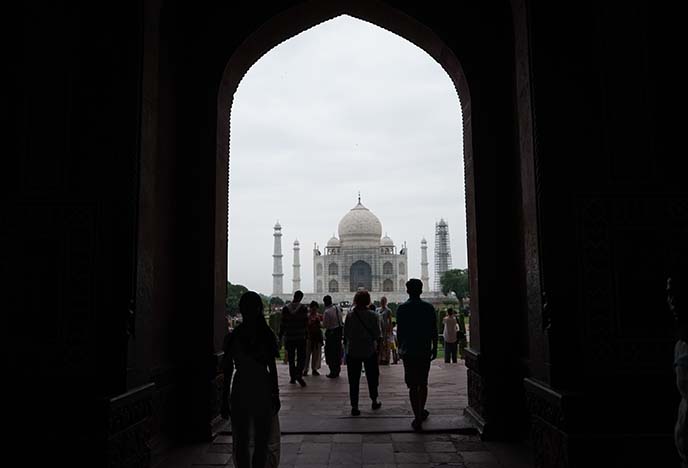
<point x="360" y="226"/>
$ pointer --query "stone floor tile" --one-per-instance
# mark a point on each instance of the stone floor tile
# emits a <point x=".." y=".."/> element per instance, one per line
<point x="439" y="447"/>
<point x="478" y="457"/>
<point x="223" y="439"/>
<point x="408" y="437"/>
<point x="210" y="458"/>
<point x="410" y="447"/>
<point x="437" y="437"/>
<point x="314" y="447"/>
<point x="412" y="457"/>
<point x="378" y="453"/>
<point x="288" y="459"/>
<point x="348" y="438"/>
<point x="376" y="438"/>
<point x="445" y="457"/>
<point x="312" y="459"/>
<point x="470" y="446"/>
<point x="348" y="457"/>
<point x="289" y="448"/>
<point x="463" y="437"/>
<point x="347" y="447"/>
<point x="220" y="448"/>
<point x="322" y="438"/>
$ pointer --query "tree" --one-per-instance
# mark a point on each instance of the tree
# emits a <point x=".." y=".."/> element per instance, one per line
<point x="275" y="300"/>
<point x="234" y="292"/>
<point x="456" y="281"/>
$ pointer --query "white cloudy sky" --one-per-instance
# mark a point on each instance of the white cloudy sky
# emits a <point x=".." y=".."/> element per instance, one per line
<point x="342" y="107"/>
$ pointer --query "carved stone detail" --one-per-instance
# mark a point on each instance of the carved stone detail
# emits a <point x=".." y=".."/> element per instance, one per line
<point x="476" y="387"/>
<point x="544" y="404"/>
<point x="547" y="426"/>
<point x="550" y="446"/>
<point x="602" y="222"/>
<point x="472" y="359"/>
<point x="129" y="428"/>
<point x="476" y="393"/>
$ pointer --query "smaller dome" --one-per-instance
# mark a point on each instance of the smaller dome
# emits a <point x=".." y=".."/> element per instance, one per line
<point x="423" y="241"/>
<point x="277" y="225"/>
<point x="387" y="242"/>
<point x="333" y="242"/>
<point x="296" y="242"/>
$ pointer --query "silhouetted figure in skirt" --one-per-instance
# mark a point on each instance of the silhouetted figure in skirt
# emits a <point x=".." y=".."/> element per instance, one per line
<point x="251" y="350"/>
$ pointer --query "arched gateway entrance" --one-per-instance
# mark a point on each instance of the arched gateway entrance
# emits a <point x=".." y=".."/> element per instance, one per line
<point x="486" y="141"/>
<point x="210" y="50"/>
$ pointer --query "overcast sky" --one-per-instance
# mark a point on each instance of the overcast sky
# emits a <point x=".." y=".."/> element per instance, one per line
<point x="343" y="107"/>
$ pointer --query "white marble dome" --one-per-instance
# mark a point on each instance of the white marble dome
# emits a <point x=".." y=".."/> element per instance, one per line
<point x="333" y="242"/>
<point x="360" y="226"/>
<point x="387" y="242"/>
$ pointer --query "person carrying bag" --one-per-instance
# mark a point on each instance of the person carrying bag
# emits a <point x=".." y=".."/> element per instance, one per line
<point x="361" y="335"/>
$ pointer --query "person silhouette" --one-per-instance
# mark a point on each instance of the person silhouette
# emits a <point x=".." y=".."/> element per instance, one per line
<point x="293" y="330"/>
<point x="417" y="337"/>
<point x="251" y="349"/>
<point x="361" y="335"/>
<point x="676" y="297"/>
<point x="332" y="321"/>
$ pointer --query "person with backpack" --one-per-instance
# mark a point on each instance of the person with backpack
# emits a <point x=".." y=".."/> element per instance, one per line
<point x="361" y="339"/>
<point x="332" y="322"/>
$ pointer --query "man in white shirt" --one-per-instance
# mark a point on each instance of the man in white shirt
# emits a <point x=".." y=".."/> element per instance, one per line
<point x="332" y="322"/>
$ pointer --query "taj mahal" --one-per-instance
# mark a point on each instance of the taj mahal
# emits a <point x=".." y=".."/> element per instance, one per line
<point x="360" y="258"/>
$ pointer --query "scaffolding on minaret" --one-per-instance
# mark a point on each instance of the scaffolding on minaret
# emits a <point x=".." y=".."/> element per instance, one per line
<point x="443" y="260"/>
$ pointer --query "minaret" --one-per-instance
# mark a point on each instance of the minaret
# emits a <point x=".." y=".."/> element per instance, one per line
<point x="296" y="279"/>
<point x="443" y="261"/>
<point x="424" y="275"/>
<point x="277" y="261"/>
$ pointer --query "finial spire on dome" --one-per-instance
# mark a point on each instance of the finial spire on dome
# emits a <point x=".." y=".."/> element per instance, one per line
<point x="359" y="197"/>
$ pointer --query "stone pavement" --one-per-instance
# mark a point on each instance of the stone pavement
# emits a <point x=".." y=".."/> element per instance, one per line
<point x="323" y="405"/>
<point x="318" y="431"/>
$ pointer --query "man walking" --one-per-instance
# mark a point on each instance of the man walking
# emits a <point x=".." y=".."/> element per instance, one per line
<point x="293" y="330"/>
<point x="417" y="337"/>
<point x="332" y="322"/>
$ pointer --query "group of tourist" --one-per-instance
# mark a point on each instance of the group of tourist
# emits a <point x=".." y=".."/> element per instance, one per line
<point x="364" y="339"/>
<point x="367" y="336"/>
<point x="302" y="336"/>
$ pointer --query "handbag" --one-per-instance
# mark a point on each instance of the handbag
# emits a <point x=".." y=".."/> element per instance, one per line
<point x="376" y="339"/>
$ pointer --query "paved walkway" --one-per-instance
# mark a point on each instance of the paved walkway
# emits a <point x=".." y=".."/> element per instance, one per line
<point x="318" y="431"/>
<point x="323" y="405"/>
